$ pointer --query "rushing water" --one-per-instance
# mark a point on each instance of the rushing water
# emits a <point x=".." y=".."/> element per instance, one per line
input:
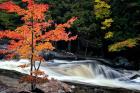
<point x="89" y="72"/>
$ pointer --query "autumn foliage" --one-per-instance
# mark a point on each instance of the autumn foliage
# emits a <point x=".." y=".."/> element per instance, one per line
<point x="31" y="38"/>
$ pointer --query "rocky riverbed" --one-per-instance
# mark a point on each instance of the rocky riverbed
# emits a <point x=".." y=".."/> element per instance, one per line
<point x="79" y="88"/>
<point x="9" y="84"/>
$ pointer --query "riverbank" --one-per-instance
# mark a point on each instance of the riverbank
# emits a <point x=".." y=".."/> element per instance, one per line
<point x="81" y="88"/>
<point x="9" y="84"/>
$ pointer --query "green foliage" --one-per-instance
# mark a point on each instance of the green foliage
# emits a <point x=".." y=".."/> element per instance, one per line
<point x="126" y="24"/>
<point x="1" y="1"/>
<point x="85" y="26"/>
<point x="106" y="23"/>
<point x="129" y="43"/>
<point x="102" y="9"/>
<point x="62" y="10"/>
<point x="7" y="21"/>
<point x="109" y="35"/>
<point x="10" y="20"/>
<point x="119" y="23"/>
<point x="126" y="19"/>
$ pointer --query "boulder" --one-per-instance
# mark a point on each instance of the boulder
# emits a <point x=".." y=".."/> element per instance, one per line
<point x="9" y="84"/>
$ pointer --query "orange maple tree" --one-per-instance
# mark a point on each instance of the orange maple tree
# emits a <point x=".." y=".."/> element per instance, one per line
<point x="31" y="38"/>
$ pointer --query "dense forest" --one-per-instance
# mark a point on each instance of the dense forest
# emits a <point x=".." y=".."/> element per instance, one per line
<point x="106" y="29"/>
<point x="69" y="46"/>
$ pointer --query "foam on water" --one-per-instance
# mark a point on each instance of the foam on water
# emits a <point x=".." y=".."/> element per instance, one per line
<point x="80" y="72"/>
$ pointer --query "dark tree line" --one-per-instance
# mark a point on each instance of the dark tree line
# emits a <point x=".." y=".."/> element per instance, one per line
<point x="125" y="14"/>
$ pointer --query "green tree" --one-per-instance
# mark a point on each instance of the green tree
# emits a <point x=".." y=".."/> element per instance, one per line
<point x="126" y="24"/>
<point x="9" y="21"/>
<point x="102" y="11"/>
<point x="118" y="24"/>
<point x="85" y="26"/>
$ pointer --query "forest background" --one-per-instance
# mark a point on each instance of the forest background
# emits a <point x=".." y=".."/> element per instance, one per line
<point x="121" y="39"/>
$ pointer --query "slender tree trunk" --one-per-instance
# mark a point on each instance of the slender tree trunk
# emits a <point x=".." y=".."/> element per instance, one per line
<point x="78" y="45"/>
<point x="103" y="45"/>
<point x="31" y="70"/>
<point x="69" y="46"/>
<point x="32" y="52"/>
<point x="55" y="44"/>
<point x="86" y="49"/>
<point x="104" y="48"/>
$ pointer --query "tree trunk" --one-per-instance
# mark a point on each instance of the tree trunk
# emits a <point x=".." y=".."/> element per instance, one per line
<point x="55" y="44"/>
<point x="32" y="52"/>
<point x="69" y="46"/>
<point x="86" y="49"/>
<point x="78" y="45"/>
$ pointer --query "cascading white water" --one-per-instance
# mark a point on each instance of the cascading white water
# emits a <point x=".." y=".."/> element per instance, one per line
<point x="89" y="72"/>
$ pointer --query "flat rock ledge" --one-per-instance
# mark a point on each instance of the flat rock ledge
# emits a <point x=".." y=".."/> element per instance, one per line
<point x="9" y="84"/>
<point x="82" y="88"/>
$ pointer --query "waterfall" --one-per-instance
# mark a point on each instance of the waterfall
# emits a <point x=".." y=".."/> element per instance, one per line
<point x="106" y="72"/>
<point x="90" y="72"/>
<point x="89" y="69"/>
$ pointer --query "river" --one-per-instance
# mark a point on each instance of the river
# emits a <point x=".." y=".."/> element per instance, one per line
<point x="89" y="72"/>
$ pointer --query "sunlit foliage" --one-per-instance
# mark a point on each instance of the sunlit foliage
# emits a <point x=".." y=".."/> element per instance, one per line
<point x="108" y="35"/>
<point x="106" y="23"/>
<point x="102" y="9"/>
<point x="122" y="45"/>
<point x="31" y="38"/>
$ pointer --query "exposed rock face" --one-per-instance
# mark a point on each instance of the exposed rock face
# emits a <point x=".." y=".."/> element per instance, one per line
<point x="98" y="89"/>
<point x="58" y="55"/>
<point x="2" y="86"/>
<point x="9" y="84"/>
<point x="54" y="86"/>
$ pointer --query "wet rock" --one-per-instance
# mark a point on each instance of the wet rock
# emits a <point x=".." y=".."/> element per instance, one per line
<point x="63" y="55"/>
<point x="79" y="88"/>
<point x="55" y="86"/>
<point x="135" y="76"/>
<point x="9" y="84"/>
<point x="122" y="62"/>
<point x="3" y="86"/>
